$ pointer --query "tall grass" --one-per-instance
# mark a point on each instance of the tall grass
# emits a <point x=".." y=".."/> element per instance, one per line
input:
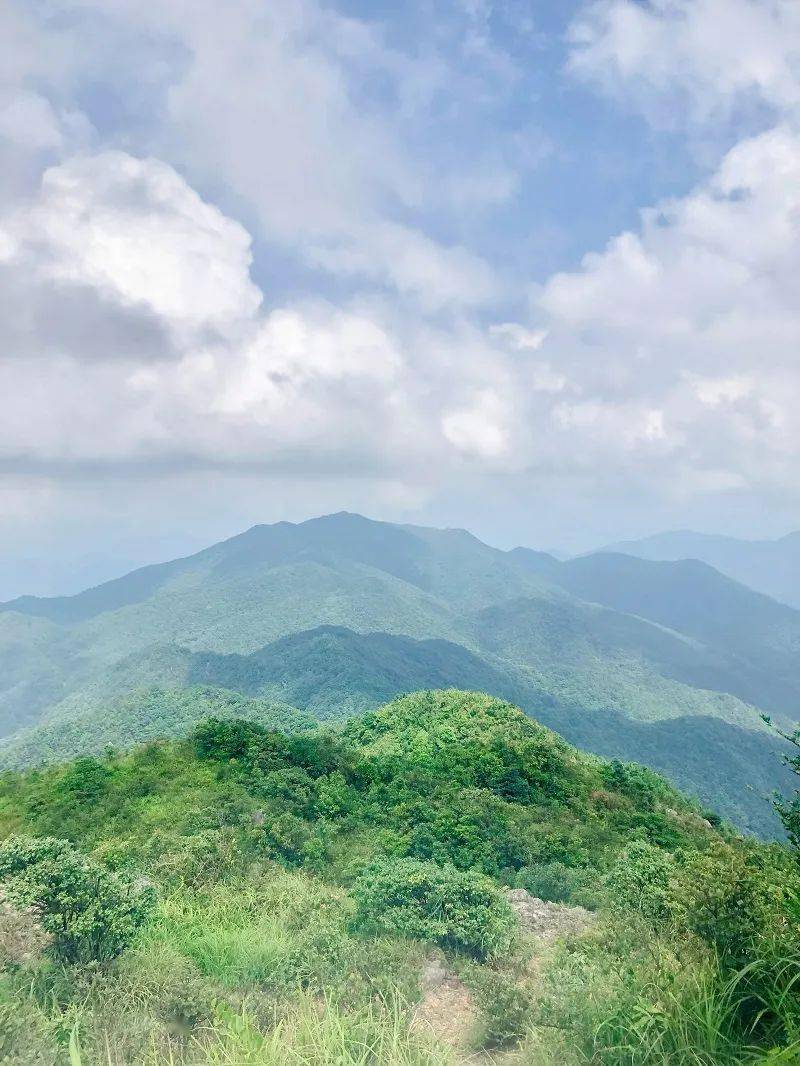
<point x="619" y="1000"/>
<point x="313" y="1032"/>
<point x="317" y="1032"/>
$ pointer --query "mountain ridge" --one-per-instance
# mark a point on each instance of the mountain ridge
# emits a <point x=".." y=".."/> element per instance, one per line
<point x="771" y="566"/>
<point x="342" y="612"/>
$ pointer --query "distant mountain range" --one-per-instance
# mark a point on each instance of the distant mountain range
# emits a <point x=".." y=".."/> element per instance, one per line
<point x="770" y="566"/>
<point x="665" y="663"/>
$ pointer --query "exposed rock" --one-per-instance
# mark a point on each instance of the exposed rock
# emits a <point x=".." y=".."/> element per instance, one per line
<point x="547" y="921"/>
<point x="433" y="973"/>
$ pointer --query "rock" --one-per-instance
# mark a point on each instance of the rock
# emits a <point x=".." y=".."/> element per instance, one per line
<point x="547" y="921"/>
<point x="433" y="973"/>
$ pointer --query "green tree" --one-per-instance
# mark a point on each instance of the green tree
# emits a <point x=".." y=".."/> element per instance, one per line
<point x="91" y="912"/>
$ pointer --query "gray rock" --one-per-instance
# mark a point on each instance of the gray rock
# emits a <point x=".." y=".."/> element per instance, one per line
<point x="547" y="921"/>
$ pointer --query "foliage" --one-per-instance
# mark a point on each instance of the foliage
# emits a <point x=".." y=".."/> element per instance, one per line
<point x="641" y="881"/>
<point x="302" y="876"/>
<point x="91" y="913"/>
<point x="506" y="1008"/>
<point x="788" y="808"/>
<point x="340" y="615"/>
<point x="558" y="883"/>
<point x="453" y="908"/>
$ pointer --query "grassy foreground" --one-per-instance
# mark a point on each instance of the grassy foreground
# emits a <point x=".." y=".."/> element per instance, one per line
<point x="253" y="896"/>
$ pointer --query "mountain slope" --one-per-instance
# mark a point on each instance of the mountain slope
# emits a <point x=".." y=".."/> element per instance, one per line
<point x="771" y="566"/>
<point x="340" y="613"/>
<point x="750" y="642"/>
<point x="332" y="672"/>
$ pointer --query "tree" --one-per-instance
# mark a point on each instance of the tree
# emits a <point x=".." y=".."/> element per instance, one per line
<point x="789" y="808"/>
<point x="91" y="912"/>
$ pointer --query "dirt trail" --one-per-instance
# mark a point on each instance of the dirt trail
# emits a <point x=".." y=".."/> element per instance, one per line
<point x="446" y="1009"/>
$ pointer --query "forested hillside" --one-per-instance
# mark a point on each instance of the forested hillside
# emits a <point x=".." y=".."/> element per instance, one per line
<point x="337" y="615"/>
<point x="771" y="566"/>
<point x="441" y="878"/>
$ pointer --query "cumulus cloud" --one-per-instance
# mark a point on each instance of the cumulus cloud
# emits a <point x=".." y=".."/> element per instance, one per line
<point x="480" y="428"/>
<point x="698" y="58"/>
<point x="308" y="116"/>
<point x="681" y="339"/>
<point x="135" y="331"/>
<point x="119" y="257"/>
<point x="263" y="262"/>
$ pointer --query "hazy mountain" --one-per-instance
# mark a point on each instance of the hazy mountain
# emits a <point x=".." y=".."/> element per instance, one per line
<point x="755" y="638"/>
<point x="341" y="613"/>
<point x="771" y="566"/>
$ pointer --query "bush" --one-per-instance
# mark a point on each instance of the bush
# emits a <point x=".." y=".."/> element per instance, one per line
<point x="557" y="883"/>
<point x="641" y="881"/>
<point x="506" y="1009"/>
<point x="454" y="908"/>
<point x="90" y="912"/>
<point x="739" y="900"/>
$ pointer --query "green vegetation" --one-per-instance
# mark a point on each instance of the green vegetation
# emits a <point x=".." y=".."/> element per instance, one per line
<point x="454" y="908"/>
<point x="339" y="615"/>
<point x="90" y="912"/>
<point x="252" y="895"/>
<point x="146" y="714"/>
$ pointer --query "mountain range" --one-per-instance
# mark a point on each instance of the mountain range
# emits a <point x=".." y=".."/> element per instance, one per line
<point x="667" y="663"/>
<point x="770" y="566"/>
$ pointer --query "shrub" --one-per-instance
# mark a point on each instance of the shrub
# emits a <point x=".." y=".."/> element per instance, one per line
<point x="454" y="908"/>
<point x="639" y="783"/>
<point x="739" y="900"/>
<point x="289" y="838"/>
<point x="641" y="881"/>
<point x="90" y="912"/>
<point x="506" y="1009"/>
<point x="556" y="882"/>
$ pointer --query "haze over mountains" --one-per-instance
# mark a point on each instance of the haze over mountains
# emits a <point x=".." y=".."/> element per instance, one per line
<point x="771" y="566"/>
<point x="668" y="663"/>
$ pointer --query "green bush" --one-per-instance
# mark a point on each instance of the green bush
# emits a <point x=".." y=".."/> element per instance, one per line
<point x="454" y="908"/>
<point x="641" y="881"/>
<point x="91" y="913"/>
<point x="557" y="883"/>
<point x="506" y="1008"/>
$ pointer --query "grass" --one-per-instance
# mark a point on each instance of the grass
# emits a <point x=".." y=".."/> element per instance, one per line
<point x="312" y="1033"/>
<point x="255" y="952"/>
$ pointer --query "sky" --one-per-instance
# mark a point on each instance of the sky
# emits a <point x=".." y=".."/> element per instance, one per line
<point x="527" y="267"/>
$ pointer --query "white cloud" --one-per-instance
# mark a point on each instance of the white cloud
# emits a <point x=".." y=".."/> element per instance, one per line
<point x="134" y="336"/>
<point x="133" y="229"/>
<point x="481" y="428"/>
<point x="415" y="265"/>
<point x="681" y="339"/>
<point x="306" y="115"/>
<point x="718" y="54"/>
<point x="518" y="337"/>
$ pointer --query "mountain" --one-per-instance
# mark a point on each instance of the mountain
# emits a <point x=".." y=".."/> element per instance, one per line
<point x="258" y="893"/>
<point x="770" y="566"/>
<point x="756" y="640"/>
<point x="340" y="614"/>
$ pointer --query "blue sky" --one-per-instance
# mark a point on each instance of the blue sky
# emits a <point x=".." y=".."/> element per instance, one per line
<point x="522" y="266"/>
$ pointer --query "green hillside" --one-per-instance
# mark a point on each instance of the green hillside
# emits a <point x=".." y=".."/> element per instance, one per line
<point x="771" y="566"/>
<point x="757" y="638"/>
<point x="336" y="615"/>
<point x="441" y="879"/>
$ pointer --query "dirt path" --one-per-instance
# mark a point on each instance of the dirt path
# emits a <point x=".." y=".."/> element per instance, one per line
<point x="447" y="1010"/>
